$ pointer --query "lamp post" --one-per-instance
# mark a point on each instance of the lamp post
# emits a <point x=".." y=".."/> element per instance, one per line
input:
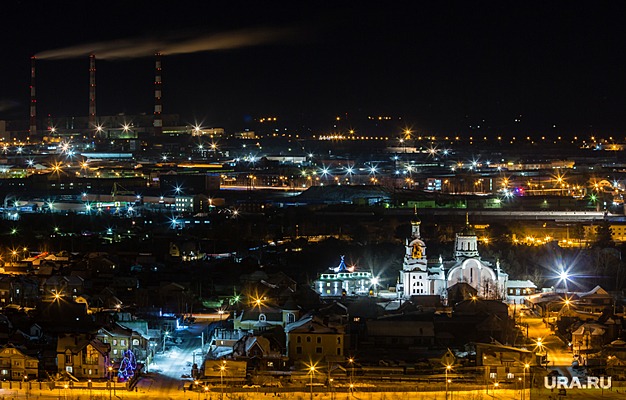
<point x="222" y="368"/>
<point x="351" y="362"/>
<point x="89" y="385"/>
<point x="312" y="371"/>
<point x="164" y="338"/>
<point x="526" y="366"/>
<point x="110" y="381"/>
<point x="495" y="387"/>
<point x="206" y="390"/>
<point x="448" y="368"/>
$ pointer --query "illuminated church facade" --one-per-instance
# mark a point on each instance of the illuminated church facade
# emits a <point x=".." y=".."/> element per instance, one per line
<point x="419" y="277"/>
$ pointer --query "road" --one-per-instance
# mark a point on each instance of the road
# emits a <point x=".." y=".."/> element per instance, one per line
<point x="165" y="376"/>
<point x="559" y="355"/>
<point x="502" y="394"/>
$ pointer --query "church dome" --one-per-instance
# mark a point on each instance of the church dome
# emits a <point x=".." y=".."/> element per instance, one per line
<point x="467" y="231"/>
<point x="416" y="220"/>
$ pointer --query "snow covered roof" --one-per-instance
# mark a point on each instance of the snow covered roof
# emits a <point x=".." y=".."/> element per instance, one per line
<point x="520" y="284"/>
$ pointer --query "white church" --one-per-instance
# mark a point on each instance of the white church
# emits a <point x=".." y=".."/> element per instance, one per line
<point x="419" y="278"/>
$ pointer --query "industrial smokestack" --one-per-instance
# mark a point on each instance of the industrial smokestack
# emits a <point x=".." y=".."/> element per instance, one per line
<point x="92" y="91"/>
<point x="33" y="99"/>
<point x="158" y="107"/>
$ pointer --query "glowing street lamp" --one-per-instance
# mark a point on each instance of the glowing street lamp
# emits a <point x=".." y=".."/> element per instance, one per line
<point x="110" y="381"/>
<point x="448" y="368"/>
<point x="539" y="342"/>
<point x="526" y="366"/>
<point x="222" y="369"/>
<point x="312" y="372"/>
<point x="351" y="362"/>
<point x="374" y="282"/>
<point x="196" y="383"/>
<point x="564" y="276"/>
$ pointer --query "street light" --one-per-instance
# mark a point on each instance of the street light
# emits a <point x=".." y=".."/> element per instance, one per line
<point x="526" y="366"/>
<point x="222" y="368"/>
<point x="495" y="387"/>
<point x="164" y="338"/>
<point x="312" y="371"/>
<point x="448" y="368"/>
<point x="351" y="362"/>
<point x="110" y="381"/>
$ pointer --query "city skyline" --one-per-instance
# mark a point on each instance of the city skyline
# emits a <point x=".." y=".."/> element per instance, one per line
<point x="442" y="69"/>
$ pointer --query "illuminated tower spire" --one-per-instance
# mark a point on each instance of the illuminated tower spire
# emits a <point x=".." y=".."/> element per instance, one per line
<point x="92" y="91"/>
<point x="415" y="224"/>
<point x="158" y="107"/>
<point x="33" y="99"/>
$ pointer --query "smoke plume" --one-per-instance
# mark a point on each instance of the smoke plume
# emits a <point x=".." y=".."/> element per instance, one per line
<point x="136" y="48"/>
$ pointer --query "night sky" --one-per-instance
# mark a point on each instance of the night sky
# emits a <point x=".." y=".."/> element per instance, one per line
<point x="556" y="67"/>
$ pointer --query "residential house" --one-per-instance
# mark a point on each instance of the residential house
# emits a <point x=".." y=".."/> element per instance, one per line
<point x="594" y="301"/>
<point x="310" y="339"/>
<point x="261" y="353"/>
<point x="16" y="366"/>
<point x="19" y="290"/>
<point x="517" y="291"/>
<point x="261" y="316"/>
<point x="615" y="354"/>
<point x="590" y="337"/>
<point x="277" y="287"/>
<point x="68" y="286"/>
<point x="83" y="356"/>
<point x="504" y="363"/>
<point x="120" y="339"/>
<point x="475" y="321"/>
<point x="461" y="291"/>
<point x="401" y="335"/>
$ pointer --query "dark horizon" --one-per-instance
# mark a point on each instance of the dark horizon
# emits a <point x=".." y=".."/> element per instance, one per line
<point x="460" y="68"/>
